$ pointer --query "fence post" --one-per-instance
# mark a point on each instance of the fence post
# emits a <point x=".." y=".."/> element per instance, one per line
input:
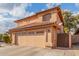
<point x="70" y="37"/>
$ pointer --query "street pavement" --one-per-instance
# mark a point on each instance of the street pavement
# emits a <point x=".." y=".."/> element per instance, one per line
<point x="33" y="51"/>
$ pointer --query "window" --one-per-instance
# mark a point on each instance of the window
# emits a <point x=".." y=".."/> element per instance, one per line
<point x="30" y="33"/>
<point x="40" y="32"/>
<point x="47" y="17"/>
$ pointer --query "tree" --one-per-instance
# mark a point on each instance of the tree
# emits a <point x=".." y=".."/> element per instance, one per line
<point x="69" y="21"/>
<point x="6" y="38"/>
<point x="1" y="35"/>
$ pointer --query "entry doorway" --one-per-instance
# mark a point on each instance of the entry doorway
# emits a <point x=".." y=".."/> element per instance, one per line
<point x="48" y="38"/>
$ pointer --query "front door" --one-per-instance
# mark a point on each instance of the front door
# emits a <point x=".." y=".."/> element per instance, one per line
<point x="48" y="38"/>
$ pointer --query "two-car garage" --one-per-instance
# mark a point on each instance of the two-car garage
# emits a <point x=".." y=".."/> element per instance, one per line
<point x="32" y="38"/>
<point x="42" y="37"/>
<point x="35" y="38"/>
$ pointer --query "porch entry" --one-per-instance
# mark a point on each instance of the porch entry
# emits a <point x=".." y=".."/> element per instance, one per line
<point x="48" y="38"/>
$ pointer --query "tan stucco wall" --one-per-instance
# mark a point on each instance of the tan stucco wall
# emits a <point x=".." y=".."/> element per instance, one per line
<point x="13" y="38"/>
<point x="54" y="17"/>
<point x="21" y="23"/>
<point x="38" y="19"/>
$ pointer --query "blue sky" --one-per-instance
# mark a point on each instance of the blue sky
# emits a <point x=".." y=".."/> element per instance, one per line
<point x="9" y="12"/>
<point x="70" y="6"/>
<point x="36" y="7"/>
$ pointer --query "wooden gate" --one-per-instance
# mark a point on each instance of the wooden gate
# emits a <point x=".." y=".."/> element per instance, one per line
<point x="62" y="40"/>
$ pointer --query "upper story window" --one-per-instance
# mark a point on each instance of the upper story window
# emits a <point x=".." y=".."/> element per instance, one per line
<point x="47" y="17"/>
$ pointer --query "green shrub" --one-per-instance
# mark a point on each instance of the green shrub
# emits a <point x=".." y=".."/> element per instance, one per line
<point x="6" y="38"/>
<point x="1" y="35"/>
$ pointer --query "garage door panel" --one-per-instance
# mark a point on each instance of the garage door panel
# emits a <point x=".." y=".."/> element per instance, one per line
<point x="33" y="40"/>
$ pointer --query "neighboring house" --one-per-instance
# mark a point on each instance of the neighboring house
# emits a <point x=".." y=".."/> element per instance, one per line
<point x="39" y="30"/>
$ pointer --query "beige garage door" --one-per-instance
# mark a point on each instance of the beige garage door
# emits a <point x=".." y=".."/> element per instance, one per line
<point x="36" y="39"/>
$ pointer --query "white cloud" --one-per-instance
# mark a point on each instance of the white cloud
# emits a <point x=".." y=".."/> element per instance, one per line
<point x="6" y="24"/>
<point x="50" y="5"/>
<point x="11" y="12"/>
<point x="1" y="17"/>
<point x="18" y="12"/>
<point x="66" y="10"/>
<point x="42" y="9"/>
<point x="77" y="4"/>
<point x="21" y="11"/>
<point x="75" y="13"/>
<point x="15" y="9"/>
<point x="29" y="14"/>
<point x="9" y="6"/>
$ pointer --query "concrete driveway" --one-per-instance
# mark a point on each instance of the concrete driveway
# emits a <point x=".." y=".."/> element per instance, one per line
<point x="32" y="51"/>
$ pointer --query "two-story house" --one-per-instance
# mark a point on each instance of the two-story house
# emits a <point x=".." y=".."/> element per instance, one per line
<point x="38" y="30"/>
